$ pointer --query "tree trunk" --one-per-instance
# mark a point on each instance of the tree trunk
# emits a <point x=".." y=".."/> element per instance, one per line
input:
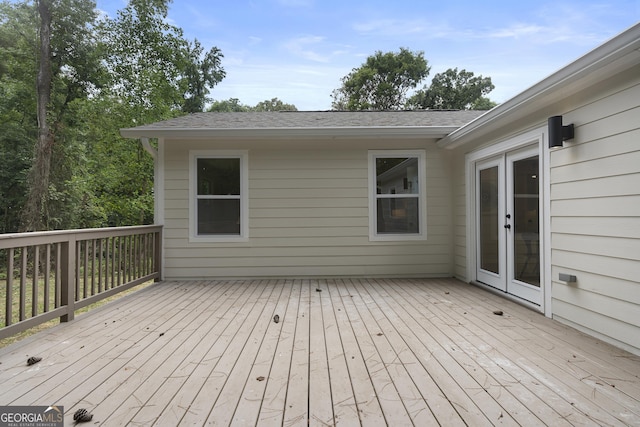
<point x="35" y="215"/>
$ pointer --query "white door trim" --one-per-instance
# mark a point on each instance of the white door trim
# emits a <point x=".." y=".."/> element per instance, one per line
<point x="536" y="136"/>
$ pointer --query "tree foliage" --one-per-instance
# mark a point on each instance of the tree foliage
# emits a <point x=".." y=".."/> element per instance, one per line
<point x="18" y="130"/>
<point x="382" y="82"/>
<point x="202" y="71"/>
<point x="454" y="90"/>
<point x="228" y="106"/>
<point x="155" y="70"/>
<point x="274" y="104"/>
<point x="234" y="105"/>
<point x="65" y="65"/>
<point x="385" y="80"/>
<point x="97" y="75"/>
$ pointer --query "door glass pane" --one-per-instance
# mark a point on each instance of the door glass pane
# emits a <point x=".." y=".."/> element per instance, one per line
<point x="526" y="221"/>
<point x="489" y="232"/>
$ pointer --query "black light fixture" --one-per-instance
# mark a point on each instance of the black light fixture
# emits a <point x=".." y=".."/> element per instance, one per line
<point x="557" y="132"/>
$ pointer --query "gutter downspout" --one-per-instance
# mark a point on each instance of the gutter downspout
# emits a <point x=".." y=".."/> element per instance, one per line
<point x="148" y="148"/>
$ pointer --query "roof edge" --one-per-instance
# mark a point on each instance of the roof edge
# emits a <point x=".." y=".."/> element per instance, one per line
<point x="614" y="55"/>
<point x="271" y="133"/>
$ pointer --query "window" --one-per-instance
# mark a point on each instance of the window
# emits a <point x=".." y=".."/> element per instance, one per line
<point x="219" y="192"/>
<point x="397" y="205"/>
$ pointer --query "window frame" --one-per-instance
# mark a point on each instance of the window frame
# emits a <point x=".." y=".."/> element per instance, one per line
<point x="194" y="156"/>
<point x="374" y="196"/>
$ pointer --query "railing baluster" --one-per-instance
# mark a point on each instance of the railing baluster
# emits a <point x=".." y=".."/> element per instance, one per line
<point x="34" y="280"/>
<point x="119" y="261"/>
<point x="100" y="257"/>
<point x="69" y="268"/>
<point x="47" y="274"/>
<point x="145" y="253"/>
<point x="113" y="262"/>
<point x="85" y="272"/>
<point x="107" y="262"/>
<point x="77" y="263"/>
<point x="129" y="256"/>
<point x="9" y="296"/>
<point x="58" y="282"/>
<point x="136" y="255"/>
<point x="93" y="267"/>
<point x="23" y="284"/>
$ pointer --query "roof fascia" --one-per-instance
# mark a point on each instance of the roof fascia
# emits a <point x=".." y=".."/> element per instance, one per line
<point x="614" y="56"/>
<point x="436" y="132"/>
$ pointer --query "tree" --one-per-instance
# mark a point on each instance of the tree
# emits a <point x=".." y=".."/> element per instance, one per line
<point x="155" y="70"/>
<point x="234" y="105"/>
<point x="483" y="103"/>
<point x="274" y="105"/>
<point x="65" y="66"/>
<point x="454" y="90"/>
<point x="382" y="82"/>
<point x="228" y="106"/>
<point x="201" y="73"/>
<point x="63" y="163"/>
<point x="156" y="74"/>
<point x="36" y="206"/>
<point x="18" y="128"/>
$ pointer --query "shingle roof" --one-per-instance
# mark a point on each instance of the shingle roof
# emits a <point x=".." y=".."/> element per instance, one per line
<point x="288" y="121"/>
<point x="316" y="119"/>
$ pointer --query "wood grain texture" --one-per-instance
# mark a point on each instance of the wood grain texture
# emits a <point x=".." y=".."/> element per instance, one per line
<point x="344" y="352"/>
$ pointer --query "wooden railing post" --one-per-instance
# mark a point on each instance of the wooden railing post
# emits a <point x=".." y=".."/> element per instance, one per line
<point x="68" y="273"/>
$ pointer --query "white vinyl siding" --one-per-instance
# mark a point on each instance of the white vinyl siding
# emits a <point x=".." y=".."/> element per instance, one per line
<point x="308" y="217"/>
<point x="595" y="219"/>
<point x="459" y="218"/>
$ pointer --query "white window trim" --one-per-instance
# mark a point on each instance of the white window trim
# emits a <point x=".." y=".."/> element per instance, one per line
<point x="422" y="196"/>
<point x="243" y="155"/>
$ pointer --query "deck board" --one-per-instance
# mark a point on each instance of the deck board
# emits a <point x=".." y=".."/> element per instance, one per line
<point x="345" y="351"/>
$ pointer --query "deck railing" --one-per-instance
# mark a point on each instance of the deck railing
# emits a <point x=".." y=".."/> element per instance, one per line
<point x="51" y="274"/>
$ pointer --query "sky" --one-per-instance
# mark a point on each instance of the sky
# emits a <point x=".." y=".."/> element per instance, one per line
<point x="299" y="50"/>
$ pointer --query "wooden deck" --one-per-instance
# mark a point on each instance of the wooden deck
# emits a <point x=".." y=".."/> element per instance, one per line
<point x="346" y="352"/>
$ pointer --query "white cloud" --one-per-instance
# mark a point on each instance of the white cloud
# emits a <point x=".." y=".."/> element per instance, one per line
<point x="516" y="31"/>
<point x="300" y="47"/>
<point x="308" y="87"/>
<point x="394" y="27"/>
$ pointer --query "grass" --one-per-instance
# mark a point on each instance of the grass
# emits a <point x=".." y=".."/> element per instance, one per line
<point x="17" y="337"/>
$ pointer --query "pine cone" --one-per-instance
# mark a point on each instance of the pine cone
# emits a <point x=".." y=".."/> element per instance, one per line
<point x="82" y="416"/>
<point x="33" y="360"/>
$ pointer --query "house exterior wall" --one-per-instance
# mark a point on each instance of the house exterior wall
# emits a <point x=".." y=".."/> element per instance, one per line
<point x="593" y="212"/>
<point x="459" y="217"/>
<point x="308" y="214"/>
<point x="595" y="217"/>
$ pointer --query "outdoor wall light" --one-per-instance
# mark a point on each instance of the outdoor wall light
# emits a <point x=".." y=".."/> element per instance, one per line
<point x="557" y="132"/>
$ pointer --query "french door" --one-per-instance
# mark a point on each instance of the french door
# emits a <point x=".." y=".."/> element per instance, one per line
<point x="508" y="223"/>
